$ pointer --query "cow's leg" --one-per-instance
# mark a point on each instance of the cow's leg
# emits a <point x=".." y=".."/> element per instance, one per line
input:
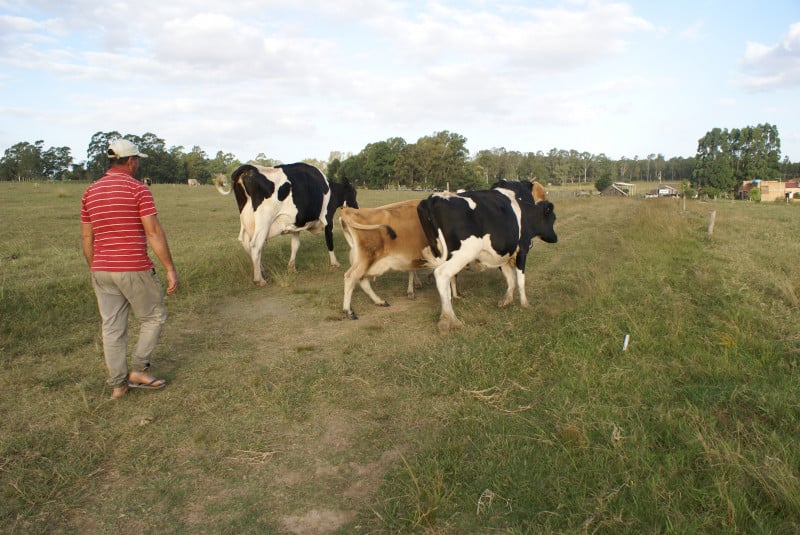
<point x="329" y="244"/>
<point x="295" y="246"/>
<point x="256" y="244"/>
<point x="444" y="275"/>
<point x="350" y="279"/>
<point x="447" y="318"/>
<point x="508" y="273"/>
<point x="367" y="287"/>
<point x="355" y="274"/>
<point x="244" y="238"/>
<point x="412" y="278"/>
<point x="255" y="255"/>
<point x="523" y="298"/>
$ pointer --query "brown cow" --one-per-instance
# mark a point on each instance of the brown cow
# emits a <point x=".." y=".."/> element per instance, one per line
<point x="381" y="239"/>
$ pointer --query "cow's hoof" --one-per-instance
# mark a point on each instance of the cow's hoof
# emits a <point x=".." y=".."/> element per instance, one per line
<point x="260" y="283"/>
<point x="447" y="323"/>
<point x="384" y="304"/>
<point x="349" y="314"/>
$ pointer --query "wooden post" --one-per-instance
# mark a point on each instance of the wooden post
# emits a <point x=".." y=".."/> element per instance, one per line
<point x="711" y="219"/>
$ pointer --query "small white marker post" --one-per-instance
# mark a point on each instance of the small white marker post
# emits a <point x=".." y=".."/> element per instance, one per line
<point x="625" y="342"/>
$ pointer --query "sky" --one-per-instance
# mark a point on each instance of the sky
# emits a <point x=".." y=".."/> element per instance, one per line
<point x="301" y="79"/>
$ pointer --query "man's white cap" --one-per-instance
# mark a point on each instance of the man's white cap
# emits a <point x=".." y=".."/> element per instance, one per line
<point x="122" y="148"/>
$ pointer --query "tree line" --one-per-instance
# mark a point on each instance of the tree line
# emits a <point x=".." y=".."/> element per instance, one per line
<point x="440" y="161"/>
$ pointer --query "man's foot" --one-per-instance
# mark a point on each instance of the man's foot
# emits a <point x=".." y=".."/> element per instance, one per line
<point x="145" y="380"/>
<point x="119" y="391"/>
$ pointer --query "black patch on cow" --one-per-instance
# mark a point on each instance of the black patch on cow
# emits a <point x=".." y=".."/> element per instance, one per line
<point x="248" y="182"/>
<point x="341" y="194"/>
<point x="309" y="185"/>
<point x="284" y="191"/>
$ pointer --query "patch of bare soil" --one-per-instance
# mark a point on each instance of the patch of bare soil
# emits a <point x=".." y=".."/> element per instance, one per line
<point x="320" y="482"/>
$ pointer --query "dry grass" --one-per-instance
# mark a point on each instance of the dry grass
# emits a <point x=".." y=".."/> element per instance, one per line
<point x="281" y="417"/>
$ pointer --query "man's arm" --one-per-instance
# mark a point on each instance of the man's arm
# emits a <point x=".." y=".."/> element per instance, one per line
<point x="87" y="239"/>
<point x="158" y="243"/>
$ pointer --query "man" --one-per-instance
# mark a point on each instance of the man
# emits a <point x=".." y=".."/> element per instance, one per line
<point x="118" y="221"/>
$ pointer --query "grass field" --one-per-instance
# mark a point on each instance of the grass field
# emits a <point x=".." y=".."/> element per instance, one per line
<point x="282" y="417"/>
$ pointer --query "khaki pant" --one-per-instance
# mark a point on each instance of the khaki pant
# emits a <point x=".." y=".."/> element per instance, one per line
<point x="117" y="294"/>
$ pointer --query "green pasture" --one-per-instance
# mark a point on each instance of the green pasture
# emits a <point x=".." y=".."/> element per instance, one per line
<point x="282" y="417"/>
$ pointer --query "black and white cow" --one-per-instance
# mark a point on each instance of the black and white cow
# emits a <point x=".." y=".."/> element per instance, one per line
<point x="493" y="227"/>
<point x="285" y="199"/>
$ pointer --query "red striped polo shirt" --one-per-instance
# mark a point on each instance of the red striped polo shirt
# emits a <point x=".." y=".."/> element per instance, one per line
<point x="115" y="206"/>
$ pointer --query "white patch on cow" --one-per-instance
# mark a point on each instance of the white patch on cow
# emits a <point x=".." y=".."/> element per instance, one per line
<point x="273" y="218"/>
<point x="449" y="195"/>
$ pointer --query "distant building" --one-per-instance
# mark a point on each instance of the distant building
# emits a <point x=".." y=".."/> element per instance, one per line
<point x="771" y="190"/>
<point x="614" y="190"/>
<point x="664" y="190"/>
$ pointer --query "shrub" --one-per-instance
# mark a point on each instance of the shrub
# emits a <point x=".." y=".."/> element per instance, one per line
<point x="603" y="182"/>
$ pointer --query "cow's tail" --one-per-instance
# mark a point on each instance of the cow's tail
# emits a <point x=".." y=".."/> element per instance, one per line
<point x="436" y="252"/>
<point x="389" y="230"/>
<point x="222" y="184"/>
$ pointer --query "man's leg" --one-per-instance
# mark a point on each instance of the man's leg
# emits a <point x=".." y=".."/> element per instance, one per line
<point x="146" y="296"/>
<point x="113" y="308"/>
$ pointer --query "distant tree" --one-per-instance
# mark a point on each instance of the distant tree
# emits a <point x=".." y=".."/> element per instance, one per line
<point x="443" y="158"/>
<point x="713" y="170"/>
<point x="603" y="165"/>
<point x="756" y="153"/>
<point x="378" y="162"/>
<point x="603" y="182"/>
<point x="586" y="161"/>
<point x="23" y="162"/>
<point x="262" y="160"/>
<point x="490" y="164"/>
<point x="223" y="163"/>
<point x="678" y="168"/>
<point x="558" y="166"/>
<point x="56" y="162"/>
<point x="352" y="170"/>
<point x="196" y="164"/>
<point x="333" y="168"/>
<point x="97" y="153"/>
<point x="408" y="167"/>
<point x="726" y="159"/>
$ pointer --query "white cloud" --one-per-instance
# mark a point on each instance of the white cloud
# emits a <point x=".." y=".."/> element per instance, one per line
<point x="769" y="67"/>
<point x="298" y="79"/>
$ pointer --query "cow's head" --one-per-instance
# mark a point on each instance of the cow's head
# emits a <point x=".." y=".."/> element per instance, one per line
<point x="349" y="192"/>
<point x="545" y="220"/>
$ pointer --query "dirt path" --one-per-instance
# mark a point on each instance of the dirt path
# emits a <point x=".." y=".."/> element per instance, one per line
<point x="329" y="463"/>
